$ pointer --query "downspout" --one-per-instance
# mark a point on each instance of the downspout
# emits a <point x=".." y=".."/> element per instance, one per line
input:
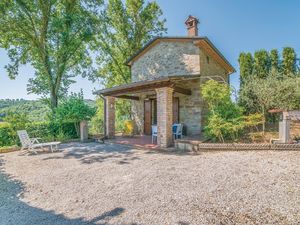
<point x="104" y="115"/>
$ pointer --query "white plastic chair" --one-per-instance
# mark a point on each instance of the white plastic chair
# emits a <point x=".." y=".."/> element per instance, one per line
<point x="177" y="130"/>
<point x="31" y="144"/>
<point x="154" y="133"/>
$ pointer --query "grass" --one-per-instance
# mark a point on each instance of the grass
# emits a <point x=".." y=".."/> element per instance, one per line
<point x="5" y="149"/>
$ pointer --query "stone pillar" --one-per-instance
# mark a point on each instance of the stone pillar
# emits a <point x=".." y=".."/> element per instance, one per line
<point x="110" y="116"/>
<point x="164" y="116"/>
<point x="284" y="131"/>
<point x="84" y="130"/>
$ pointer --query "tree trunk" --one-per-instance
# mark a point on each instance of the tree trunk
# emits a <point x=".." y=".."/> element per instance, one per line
<point x="53" y="100"/>
<point x="264" y="123"/>
<point x="76" y="124"/>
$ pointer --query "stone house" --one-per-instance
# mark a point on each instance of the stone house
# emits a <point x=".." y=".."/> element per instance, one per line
<point x="166" y="77"/>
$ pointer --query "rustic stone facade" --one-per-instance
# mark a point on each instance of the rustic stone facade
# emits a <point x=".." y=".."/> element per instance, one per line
<point x="192" y="109"/>
<point x="209" y="67"/>
<point x="164" y="116"/>
<point x="167" y="59"/>
<point x="110" y="116"/>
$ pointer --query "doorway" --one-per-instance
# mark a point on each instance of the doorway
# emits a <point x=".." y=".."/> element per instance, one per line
<point x="150" y="113"/>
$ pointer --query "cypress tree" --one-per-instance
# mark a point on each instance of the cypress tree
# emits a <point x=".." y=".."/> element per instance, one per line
<point x="246" y="66"/>
<point x="289" y="61"/>
<point x="274" y="60"/>
<point x="261" y="63"/>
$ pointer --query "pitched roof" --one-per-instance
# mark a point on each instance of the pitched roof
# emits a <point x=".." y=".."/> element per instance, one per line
<point x="202" y="42"/>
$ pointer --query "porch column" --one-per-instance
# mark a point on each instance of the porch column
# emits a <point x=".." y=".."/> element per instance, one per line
<point x="284" y="131"/>
<point x="164" y="116"/>
<point x="110" y="116"/>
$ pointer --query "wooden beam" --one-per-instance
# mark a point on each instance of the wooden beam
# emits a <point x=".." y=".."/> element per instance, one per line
<point x="182" y="90"/>
<point x="144" y="88"/>
<point x="136" y="98"/>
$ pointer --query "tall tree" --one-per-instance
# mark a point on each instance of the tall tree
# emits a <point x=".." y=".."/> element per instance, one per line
<point x="274" y="59"/>
<point x="128" y="26"/>
<point x="261" y="63"/>
<point x="52" y="36"/>
<point x="288" y="61"/>
<point x="246" y="66"/>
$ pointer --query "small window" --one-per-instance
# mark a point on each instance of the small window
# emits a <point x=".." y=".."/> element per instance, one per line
<point x="207" y="59"/>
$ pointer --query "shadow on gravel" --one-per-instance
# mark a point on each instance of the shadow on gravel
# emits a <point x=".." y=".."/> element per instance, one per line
<point x="89" y="153"/>
<point x="94" y="152"/>
<point x="14" y="211"/>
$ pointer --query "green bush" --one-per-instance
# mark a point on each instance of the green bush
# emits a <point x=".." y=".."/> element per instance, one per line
<point x="47" y="131"/>
<point x="225" y="119"/>
<point x="5" y="135"/>
<point x="73" y="110"/>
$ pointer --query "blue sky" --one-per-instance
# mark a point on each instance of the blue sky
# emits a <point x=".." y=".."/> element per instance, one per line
<point x="232" y="25"/>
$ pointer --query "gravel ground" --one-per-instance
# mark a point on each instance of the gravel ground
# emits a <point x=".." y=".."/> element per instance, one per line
<point x="114" y="184"/>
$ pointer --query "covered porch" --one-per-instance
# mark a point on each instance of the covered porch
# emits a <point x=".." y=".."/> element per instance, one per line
<point x="154" y="102"/>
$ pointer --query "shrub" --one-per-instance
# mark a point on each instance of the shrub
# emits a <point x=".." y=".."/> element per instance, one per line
<point x="73" y="110"/>
<point x="47" y="131"/>
<point x="225" y="119"/>
<point x="5" y="135"/>
<point x="97" y="122"/>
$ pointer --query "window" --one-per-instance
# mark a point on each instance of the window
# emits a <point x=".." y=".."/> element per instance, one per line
<point x="207" y="59"/>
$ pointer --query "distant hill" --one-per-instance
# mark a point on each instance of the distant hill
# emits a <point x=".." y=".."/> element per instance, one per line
<point x="36" y="110"/>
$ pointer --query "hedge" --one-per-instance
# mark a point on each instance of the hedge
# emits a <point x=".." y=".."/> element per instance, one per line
<point x="47" y="131"/>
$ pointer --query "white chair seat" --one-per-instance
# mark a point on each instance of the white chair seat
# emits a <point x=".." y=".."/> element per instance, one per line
<point x="46" y="144"/>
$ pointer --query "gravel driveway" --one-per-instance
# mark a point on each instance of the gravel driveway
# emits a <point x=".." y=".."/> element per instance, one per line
<point x="114" y="184"/>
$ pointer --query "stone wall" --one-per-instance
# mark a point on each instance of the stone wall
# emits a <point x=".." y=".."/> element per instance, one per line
<point x="209" y="67"/>
<point x="167" y="59"/>
<point x="190" y="108"/>
<point x="295" y="129"/>
<point x="137" y="108"/>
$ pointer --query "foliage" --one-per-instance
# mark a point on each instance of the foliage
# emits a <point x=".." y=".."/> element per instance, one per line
<point x="271" y="92"/>
<point x="5" y="136"/>
<point x="128" y="26"/>
<point x="128" y="127"/>
<point x="261" y="63"/>
<point x="253" y="120"/>
<point x="35" y="110"/>
<point x="73" y="109"/>
<point x="246" y="66"/>
<point x="225" y="120"/>
<point x="97" y="121"/>
<point x="48" y="131"/>
<point x="274" y="60"/>
<point x="265" y="64"/>
<point x="16" y="122"/>
<point x="53" y="37"/>
<point x="289" y="61"/>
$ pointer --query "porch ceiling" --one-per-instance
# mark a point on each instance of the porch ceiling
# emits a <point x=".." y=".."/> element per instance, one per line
<point x="127" y="91"/>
